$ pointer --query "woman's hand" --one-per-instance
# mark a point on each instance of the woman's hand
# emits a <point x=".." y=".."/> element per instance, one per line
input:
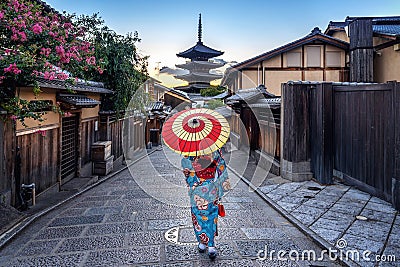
<point x="186" y="172"/>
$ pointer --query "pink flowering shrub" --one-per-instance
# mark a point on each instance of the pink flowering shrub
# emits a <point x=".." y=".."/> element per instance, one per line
<point x="12" y="69"/>
<point x="38" y="43"/>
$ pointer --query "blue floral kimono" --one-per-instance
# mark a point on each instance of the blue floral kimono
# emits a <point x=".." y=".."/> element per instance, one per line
<point x="205" y="189"/>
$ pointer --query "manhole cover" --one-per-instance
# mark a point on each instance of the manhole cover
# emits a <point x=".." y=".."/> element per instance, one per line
<point x="314" y="188"/>
<point x="172" y="236"/>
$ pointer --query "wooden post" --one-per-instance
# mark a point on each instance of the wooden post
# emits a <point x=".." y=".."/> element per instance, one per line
<point x="396" y="167"/>
<point x="322" y="133"/>
<point x="361" y="50"/>
<point x="295" y="163"/>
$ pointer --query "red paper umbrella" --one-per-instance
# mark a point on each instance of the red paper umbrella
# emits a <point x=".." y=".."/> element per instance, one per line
<point x="195" y="132"/>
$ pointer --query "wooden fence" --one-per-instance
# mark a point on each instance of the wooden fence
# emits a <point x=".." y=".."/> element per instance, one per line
<point x="363" y="133"/>
<point x="88" y="137"/>
<point x="347" y="130"/>
<point x="127" y="134"/>
<point x="270" y="129"/>
<point x="38" y="157"/>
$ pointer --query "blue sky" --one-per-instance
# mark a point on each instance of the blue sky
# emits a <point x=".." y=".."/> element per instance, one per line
<point x="242" y="29"/>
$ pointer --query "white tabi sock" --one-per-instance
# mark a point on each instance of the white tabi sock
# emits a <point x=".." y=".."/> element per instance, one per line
<point x="212" y="250"/>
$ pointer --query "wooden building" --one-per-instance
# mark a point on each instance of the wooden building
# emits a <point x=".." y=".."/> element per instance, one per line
<point x="155" y="89"/>
<point x="177" y="99"/>
<point x="374" y="47"/>
<point x="157" y="112"/>
<point x="317" y="57"/>
<point x="51" y="152"/>
<point x="255" y="125"/>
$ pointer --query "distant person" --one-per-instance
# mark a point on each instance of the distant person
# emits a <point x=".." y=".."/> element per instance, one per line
<point x="207" y="180"/>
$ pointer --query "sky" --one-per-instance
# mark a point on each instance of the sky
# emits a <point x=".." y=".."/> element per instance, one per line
<point x="242" y="29"/>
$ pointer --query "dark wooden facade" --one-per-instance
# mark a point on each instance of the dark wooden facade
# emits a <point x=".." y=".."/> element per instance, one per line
<point x="255" y="126"/>
<point x="346" y="130"/>
<point x="364" y="136"/>
<point x="361" y="50"/>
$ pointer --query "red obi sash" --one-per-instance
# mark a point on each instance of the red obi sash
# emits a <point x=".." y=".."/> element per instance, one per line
<point x="207" y="172"/>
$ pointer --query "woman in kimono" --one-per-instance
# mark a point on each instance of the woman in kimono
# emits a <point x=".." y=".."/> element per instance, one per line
<point x="207" y="180"/>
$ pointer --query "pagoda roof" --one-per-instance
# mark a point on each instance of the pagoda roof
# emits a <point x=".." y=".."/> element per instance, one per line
<point x="200" y="51"/>
<point x="196" y="76"/>
<point x="202" y="64"/>
<point x="196" y="86"/>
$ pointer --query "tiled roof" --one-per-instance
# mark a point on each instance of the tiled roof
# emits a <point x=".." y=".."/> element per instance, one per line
<point x="389" y="26"/>
<point x="249" y="94"/>
<point x="178" y="93"/>
<point x="393" y="30"/>
<point x="244" y="95"/>
<point x="376" y="20"/>
<point x="156" y="105"/>
<point x="267" y="102"/>
<point x="221" y="95"/>
<point x="93" y="87"/>
<point x="78" y="100"/>
<point x="224" y="111"/>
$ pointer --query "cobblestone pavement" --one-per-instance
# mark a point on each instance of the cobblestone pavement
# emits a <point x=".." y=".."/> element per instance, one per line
<point x="340" y="214"/>
<point x="132" y="220"/>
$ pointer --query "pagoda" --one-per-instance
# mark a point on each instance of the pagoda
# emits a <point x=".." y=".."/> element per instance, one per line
<point x="198" y="65"/>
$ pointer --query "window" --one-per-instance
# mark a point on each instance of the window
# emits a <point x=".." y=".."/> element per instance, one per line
<point x="313" y="56"/>
<point x="293" y="59"/>
<point x="333" y="59"/>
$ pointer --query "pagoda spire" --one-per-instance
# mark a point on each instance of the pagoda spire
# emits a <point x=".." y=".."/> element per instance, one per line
<point x="200" y="29"/>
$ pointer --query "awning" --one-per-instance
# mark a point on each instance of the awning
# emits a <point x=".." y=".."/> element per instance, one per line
<point x="81" y="101"/>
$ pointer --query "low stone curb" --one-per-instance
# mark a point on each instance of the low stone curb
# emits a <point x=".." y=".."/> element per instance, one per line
<point x="21" y="225"/>
<point x="308" y="232"/>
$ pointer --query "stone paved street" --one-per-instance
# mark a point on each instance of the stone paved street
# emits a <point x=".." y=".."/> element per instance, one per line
<point x="340" y="215"/>
<point x="139" y="217"/>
